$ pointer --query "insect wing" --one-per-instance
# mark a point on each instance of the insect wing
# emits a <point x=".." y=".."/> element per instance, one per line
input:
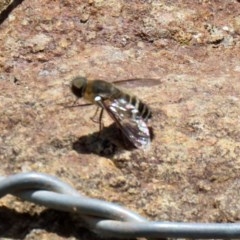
<point x="138" y="82"/>
<point x="131" y="124"/>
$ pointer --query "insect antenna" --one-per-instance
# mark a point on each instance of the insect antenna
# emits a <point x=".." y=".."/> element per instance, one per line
<point x="77" y="105"/>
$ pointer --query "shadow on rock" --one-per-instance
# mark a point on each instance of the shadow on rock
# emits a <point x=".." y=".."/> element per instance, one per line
<point x="5" y="13"/>
<point x="16" y="225"/>
<point x="106" y="142"/>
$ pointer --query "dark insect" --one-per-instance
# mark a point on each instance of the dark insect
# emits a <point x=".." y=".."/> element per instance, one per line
<point x="130" y="114"/>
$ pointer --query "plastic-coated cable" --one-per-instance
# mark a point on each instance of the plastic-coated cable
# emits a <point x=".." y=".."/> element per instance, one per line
<point x="105" y="218"/>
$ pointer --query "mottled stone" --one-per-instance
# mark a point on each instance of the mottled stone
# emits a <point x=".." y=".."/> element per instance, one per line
<point x="192" y="50"/>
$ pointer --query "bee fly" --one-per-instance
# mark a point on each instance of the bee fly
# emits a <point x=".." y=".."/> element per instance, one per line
<point x="130" y="114"/>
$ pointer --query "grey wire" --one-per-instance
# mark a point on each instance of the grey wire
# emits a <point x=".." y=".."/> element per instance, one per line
<point x="32" y="180"/>
<point x="169" y="229"/>
<point x="85" y="206"/>
<point x="105" y="218"/>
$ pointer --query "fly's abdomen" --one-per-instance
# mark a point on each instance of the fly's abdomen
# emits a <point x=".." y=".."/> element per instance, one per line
<point x="140" y="109"/>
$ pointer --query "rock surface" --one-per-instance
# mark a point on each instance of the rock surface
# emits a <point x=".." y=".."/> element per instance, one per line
<point x="191" y="171"/>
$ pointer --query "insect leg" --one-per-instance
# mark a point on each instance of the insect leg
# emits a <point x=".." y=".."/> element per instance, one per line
<point x="93" y="118"/>
<point x="98" y="99"/>
<point x="100" y="120"/>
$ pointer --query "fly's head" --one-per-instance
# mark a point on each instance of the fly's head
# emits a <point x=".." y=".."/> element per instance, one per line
<point x="78" y="86"/>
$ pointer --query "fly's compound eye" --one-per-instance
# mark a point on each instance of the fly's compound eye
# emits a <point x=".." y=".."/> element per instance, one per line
<point x="78" y="86"/>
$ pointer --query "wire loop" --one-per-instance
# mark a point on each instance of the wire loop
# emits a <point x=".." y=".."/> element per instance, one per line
<point x="102" y="217"/>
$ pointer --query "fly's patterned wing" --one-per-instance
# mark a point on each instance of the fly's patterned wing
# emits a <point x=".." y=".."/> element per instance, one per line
<point x="128" y="119"/>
